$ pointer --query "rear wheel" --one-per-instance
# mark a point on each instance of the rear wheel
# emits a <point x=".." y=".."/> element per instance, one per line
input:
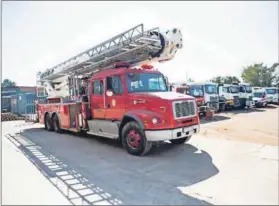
<point x="48" y="123"/>
<point x="181" y="140"/>
<point x="134" y="140"/>
<point x="56" y="124"/>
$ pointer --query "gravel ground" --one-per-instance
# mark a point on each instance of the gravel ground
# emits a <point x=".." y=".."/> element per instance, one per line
<point x="258" y="125"/>
<point x="208" y="170"/>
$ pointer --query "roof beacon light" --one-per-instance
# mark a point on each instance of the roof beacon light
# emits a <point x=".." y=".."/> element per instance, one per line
<point x="146" y="66"/>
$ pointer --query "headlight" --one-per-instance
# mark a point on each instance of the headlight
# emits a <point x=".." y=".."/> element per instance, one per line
<point x="154" y="120"/>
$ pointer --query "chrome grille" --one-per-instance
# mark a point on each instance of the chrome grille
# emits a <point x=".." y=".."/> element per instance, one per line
<point x="186" y="108"/>
<point x="250" y="98"/>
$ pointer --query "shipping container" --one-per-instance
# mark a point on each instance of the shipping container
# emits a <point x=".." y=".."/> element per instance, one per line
<point x="23" y="103"/>
<point x="6" y="104"/>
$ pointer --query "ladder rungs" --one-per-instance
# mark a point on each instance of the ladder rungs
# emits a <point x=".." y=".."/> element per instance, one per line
<point x="134" y="37"/>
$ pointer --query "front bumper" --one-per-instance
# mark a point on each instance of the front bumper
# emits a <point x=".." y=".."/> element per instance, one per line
<point x="169" y="134"/>
<point x="213" y="106"/>
<point x="257" y="104"/>
<point x="272" y="101"/>
<point x="250" y="103"/>
<point x="230" y="102"/>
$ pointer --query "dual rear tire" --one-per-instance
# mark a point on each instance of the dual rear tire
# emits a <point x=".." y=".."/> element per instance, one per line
<point x="52" y="123"/>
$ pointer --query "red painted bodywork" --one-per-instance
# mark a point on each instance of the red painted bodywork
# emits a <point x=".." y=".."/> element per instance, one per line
<point x="144" y="106"/>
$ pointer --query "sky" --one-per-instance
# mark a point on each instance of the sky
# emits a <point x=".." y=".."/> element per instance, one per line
<point x="219" y="38"/>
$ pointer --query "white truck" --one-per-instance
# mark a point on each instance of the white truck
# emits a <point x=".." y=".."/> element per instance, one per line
<point x="260" y="97"/>
<point x="271" y="95"/>
<point x="210" y="93"/>
<point x="230" y="95"/>
<point x="245" y="95"/>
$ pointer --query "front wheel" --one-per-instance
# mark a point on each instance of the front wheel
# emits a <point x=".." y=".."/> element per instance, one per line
<point x="134" y="140"/>
<point x="180" y="140"/>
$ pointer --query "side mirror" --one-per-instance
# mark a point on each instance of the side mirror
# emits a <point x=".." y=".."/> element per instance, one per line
<point x="109" y="93"/>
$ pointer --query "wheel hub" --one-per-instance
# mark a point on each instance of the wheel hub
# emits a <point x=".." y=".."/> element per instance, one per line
<point x="133" y="139"/>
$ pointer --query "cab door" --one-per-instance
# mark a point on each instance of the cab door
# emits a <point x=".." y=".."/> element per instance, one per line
<point x="97" y="99"/>
<point x="116" y="103"/>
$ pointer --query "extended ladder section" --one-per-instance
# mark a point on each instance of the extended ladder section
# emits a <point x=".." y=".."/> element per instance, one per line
<point x="134" y="46"/>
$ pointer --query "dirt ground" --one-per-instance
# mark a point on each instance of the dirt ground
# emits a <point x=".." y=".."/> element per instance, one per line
<point x="256" y="125"/>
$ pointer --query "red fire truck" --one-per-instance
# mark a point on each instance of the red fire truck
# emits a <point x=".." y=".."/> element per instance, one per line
<point x="111" y="90"/>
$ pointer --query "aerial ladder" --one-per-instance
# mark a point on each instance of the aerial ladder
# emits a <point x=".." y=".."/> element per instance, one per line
<point x="135" y="46"/>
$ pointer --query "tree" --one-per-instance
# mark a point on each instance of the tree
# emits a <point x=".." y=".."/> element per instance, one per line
<point x="190" y="80"/>
<point x="261" y="75"/>
<point x="225" y="80"/>
<point x="8" y="83"/>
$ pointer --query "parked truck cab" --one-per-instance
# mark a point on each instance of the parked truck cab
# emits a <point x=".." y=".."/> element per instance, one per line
<point x="272" y="95"/>
<point x="245" y="95"/>
<point x="230" y="95"/>
<point x="260" y="98"/>
<point x="194" y="91"/>
<point x="210" y="94"/>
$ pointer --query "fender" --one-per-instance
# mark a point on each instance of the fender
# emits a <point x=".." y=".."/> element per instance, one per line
<point x="132" y="116"/>
<point x="140" y="115"/>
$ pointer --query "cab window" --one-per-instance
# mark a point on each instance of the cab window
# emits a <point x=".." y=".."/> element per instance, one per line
<point x="225" y="89"/>
<point x="241" y="89"/>
<point x="115" y="84"/>
<point x="98" y="87"/>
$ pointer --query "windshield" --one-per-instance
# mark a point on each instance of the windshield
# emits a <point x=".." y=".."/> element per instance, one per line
<point x="234" y="89"/>
<point x="248" y="89"/>
<point x="182" y="90"/>
<point x="210" y="88"/>
<point x="196" y="91"/>
<point x="145" y="82"/>
<point x="258" y="94"/>
<point x="271" y="91"/>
